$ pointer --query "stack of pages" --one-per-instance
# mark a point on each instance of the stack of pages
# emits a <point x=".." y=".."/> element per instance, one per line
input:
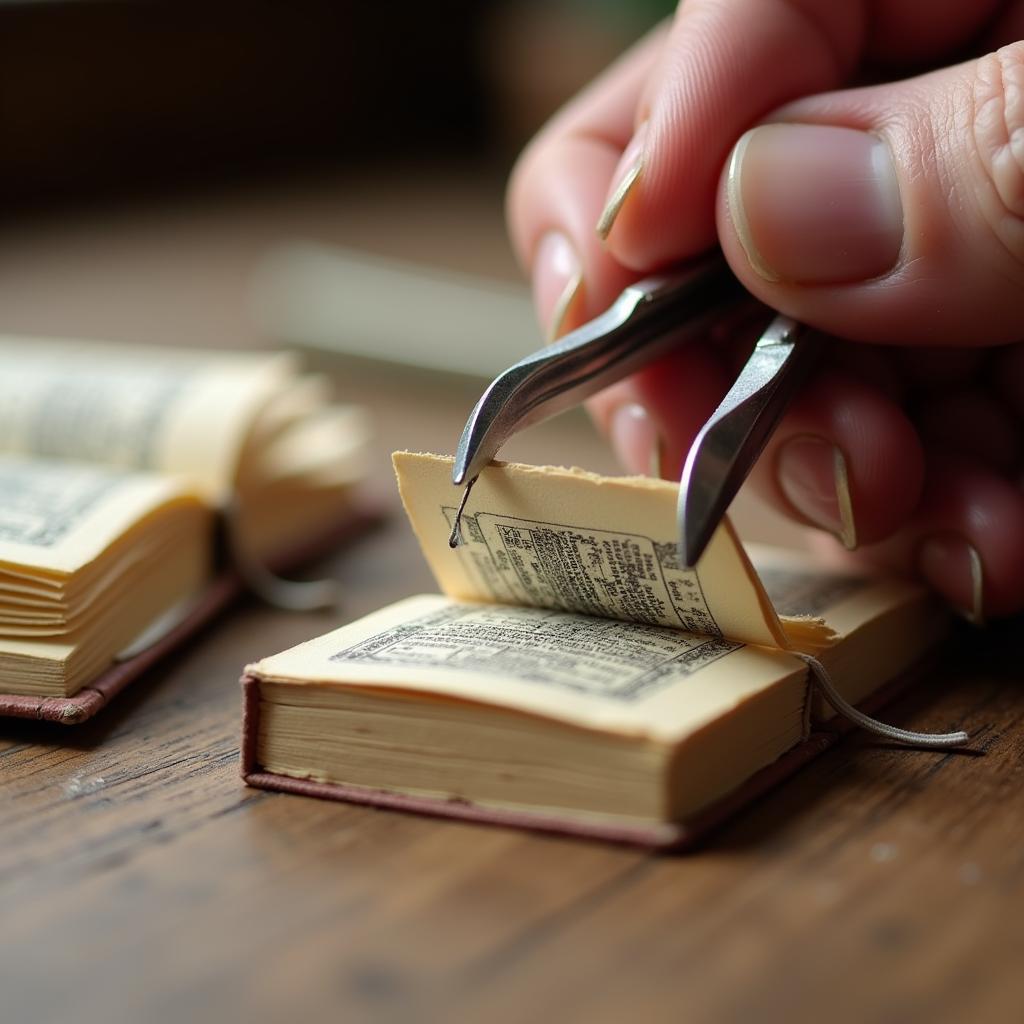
<point x="115" y="463"/>
<point x="89" y="556"/>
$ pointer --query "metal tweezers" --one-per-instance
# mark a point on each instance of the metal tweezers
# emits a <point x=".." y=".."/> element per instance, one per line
<point x="648" y="319"/>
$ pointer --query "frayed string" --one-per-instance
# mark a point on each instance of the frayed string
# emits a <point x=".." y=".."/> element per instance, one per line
<point x="926" y="740"/>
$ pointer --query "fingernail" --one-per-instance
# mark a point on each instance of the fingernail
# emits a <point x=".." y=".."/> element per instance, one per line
<point x="557" y="277"/>
<point x="623" y="180"/>
<point x="954" y="568"/>
<point x="813" y="476"/>
<point x="813" y="204"/>
<point x="634" y="437"/>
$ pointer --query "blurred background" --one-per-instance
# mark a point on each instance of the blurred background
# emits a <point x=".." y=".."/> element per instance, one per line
<point x="107" y="96"/>
<point x="153" y="153"/>
<point x="322" y="174"/>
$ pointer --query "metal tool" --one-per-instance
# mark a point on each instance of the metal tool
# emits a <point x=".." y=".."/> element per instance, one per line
<point x="728" y="445"/>
<point x="648" y="319"/>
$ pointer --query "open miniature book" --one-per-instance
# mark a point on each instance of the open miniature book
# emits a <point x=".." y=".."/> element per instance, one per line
<point x="573" y="676"/>
<point x="114" y="463"/>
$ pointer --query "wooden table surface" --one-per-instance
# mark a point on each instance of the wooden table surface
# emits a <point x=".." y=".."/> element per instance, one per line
<point x="140" y="881"/>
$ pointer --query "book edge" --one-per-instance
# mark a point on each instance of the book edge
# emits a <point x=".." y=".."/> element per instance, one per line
<point x="221" y="591"/>
<point x="666" y="837"/>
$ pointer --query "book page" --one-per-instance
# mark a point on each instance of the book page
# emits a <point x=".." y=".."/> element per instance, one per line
<point x="59" y="516"/>
<point x="575" y="541"/>
<point x="61" y="665"/>
<point x="171" y="410"/>
<point x="596" y="673"/>
<point x="330" y="444"/>
<point x="820" y="607"/>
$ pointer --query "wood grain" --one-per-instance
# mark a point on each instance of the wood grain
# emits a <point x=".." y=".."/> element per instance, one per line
<point x="140" y="881"/>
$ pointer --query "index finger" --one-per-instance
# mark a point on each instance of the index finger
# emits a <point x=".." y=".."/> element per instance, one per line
<point x="558" y="186"/>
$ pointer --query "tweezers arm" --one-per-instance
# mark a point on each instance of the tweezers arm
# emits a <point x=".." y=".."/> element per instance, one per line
<point x="729" y="444"/>
<point x="649" y="318"/>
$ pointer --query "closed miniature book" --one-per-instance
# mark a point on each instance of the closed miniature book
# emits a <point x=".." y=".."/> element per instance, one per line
<point x="118" y="466"/>
<point x="573" y="675"/>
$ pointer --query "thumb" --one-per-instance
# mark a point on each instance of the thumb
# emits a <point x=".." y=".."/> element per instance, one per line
<point x="889" y="214"/>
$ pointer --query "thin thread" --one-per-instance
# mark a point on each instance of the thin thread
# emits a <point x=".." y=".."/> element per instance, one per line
<point x="928" y="740"/>
<point x="288" y="595"/>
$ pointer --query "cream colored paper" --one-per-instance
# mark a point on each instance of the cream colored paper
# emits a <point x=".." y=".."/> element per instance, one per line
<point x="170" y="410"/>
<point x="123" y="574"/>
<point x="568" y="539"/>
<point x="57" y="517"/>
<point x="61" y="665"/>
<point x="620" y="677"/>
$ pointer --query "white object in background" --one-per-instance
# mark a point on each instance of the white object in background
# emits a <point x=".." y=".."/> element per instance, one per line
<point x="347" y="302"/>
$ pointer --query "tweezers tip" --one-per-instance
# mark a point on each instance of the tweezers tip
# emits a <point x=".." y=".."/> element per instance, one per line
<point x="691" y="554"/>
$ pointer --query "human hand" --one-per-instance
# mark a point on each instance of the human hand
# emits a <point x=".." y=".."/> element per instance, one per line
<point x="887" y="214"/>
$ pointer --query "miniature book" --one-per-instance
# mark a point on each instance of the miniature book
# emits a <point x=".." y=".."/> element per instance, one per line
<point x="573" y="675"/>
<point x="115" y="463"/>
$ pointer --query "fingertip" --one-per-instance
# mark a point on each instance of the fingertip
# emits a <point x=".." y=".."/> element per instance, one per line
<point x="954" y="568"/>
<point x="845" y="215"/>
<point x="625" y="180"/>
<point x="659" y="411"/>
<point x="645" y="224"/>
<point x="724" y="67"/>
<point x="635" y="439"/>
<point x="812" y="472"/>
<point x="845" y="459"/>
<point x="681" y="390"/>
<point x="553" y="201"/>
<point x="556" y="279"/>
<point x="970" y="538"/>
